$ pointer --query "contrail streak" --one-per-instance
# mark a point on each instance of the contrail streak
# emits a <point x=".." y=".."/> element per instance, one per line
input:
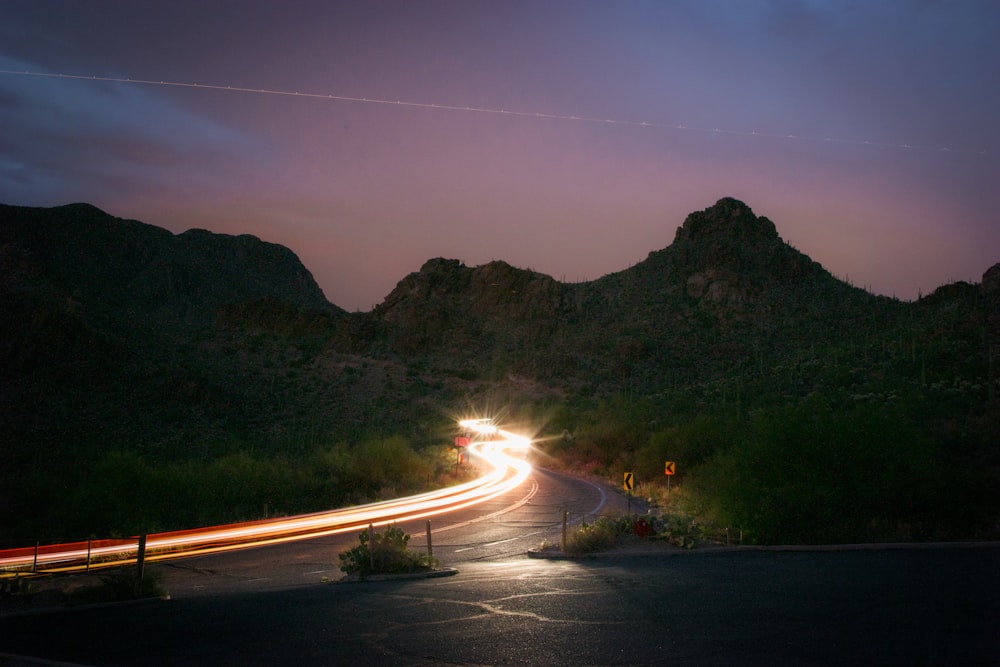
<point x="491" y="110"/>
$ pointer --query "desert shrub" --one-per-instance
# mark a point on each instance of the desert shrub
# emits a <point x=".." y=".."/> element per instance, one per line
<point x="692" y="442"/>
<point x="679" y="529"/>
<point x="123" y="492"/>
<point x="599" y="535"/>
<point x="809" y="474"/>
<point x="383" y="553"/>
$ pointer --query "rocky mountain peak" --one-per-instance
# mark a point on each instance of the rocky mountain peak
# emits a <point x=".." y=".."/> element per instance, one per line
<point x="728" y="220"/>
<point x="991" y="280"/>
<point x="729" y="240"/>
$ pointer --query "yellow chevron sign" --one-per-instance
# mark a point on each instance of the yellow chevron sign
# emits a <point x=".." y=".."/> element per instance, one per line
<point x="668" y="469"/>
<point x="628" y="481"/>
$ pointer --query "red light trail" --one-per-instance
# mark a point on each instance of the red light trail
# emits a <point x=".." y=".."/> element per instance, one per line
<point x="507" y="471"/>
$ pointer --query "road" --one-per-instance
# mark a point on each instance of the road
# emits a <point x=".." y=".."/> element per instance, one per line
<point x="506" y="526"/>
<point x="916" y="606"/>
<point x="499" y="455"/>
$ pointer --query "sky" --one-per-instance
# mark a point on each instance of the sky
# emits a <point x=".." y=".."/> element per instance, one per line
<point x="570" y="137"/>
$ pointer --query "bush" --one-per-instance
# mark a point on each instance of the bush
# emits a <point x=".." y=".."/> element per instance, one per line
<point x="808" y="474"/>
<point x="600" y="535"/>
<point x="383" y="553"/>
<point x="679" y="529"/>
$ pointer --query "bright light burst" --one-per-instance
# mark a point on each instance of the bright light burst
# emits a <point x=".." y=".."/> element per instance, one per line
<point x="482" y="426"/>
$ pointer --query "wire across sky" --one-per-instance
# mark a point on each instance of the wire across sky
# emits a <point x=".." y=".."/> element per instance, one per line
<point x="487" y="110"/>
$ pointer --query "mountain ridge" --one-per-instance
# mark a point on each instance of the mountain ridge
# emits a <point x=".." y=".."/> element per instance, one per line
<point x="86" y="251"/>
<point x="727" y="287"/>
<point x="726" y="274"/>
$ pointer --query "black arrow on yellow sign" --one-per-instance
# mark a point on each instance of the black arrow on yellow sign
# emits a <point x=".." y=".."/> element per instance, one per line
<point x="628" y="481"/>
<point x="669" y="468"/>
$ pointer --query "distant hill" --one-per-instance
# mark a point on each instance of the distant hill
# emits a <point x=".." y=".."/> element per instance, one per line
<point x="727" y="297"/>
<point x="114" y="329"/>
<point x="125" y="265"/>
<point x="121" y="335"/>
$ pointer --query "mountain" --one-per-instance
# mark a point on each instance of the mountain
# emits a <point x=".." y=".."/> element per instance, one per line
<point x="727" y="301"/>
<point x="118" y="331"/>
<point x="121" y="337"/>
<point x="125" y="265"/>
<point x="728" y="295"/>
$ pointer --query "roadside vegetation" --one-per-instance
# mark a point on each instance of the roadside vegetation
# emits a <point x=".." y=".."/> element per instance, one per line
<point x="59" y="590"/>
<point x="612" y="531"/>
<point x="125" y="493"/>
<point x="816" y="470"/>
<point x="384" y="553"/>
<point x="600" y="535"/>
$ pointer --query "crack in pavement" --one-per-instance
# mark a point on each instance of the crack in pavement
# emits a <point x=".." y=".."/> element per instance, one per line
<point x="490" y="607"/>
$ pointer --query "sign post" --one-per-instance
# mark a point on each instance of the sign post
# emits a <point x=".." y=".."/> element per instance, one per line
<point x="461" y="442"/>
<point x="140" y="564"/>
<point x="627" y="485"/>
<point x="668" y="469"/>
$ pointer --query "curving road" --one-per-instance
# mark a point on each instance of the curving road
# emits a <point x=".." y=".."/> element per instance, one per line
<point x="501" y="456"/>
<point x="506" y="525"/>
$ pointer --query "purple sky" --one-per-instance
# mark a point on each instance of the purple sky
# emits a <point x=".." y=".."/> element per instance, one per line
<point x="365" y="192"/>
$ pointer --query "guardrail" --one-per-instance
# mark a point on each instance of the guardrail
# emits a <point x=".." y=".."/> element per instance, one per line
<point x="507" y="473"/>
<point x="69" y="556"/>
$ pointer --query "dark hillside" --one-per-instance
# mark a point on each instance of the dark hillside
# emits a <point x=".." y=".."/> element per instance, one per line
<point x="120" y="336"/>
<point x="484" y="321"/>
<point x="727" y="297"/>
<point x="125" y="266"/>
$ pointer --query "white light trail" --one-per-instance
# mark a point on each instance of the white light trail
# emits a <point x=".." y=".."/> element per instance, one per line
<point x="490" y="110"/>
<point x="508" y="471"/>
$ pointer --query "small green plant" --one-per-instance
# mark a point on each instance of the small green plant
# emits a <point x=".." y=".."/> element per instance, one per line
<point x="679" y="529"/>
<point x="600" y="535"/>
<point x="383" y="553"/>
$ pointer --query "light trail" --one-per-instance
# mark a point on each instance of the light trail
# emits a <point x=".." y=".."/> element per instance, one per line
<point x="504" y="456"/>
<point x="582" y="118"/>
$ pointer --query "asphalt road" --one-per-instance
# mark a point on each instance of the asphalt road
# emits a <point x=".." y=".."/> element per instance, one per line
<point x="503" y="527"/>
<point x="932" y="605"/>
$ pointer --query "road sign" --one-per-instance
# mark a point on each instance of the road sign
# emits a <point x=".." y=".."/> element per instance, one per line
<point x="628" y="481"/>
<point x="669" y="468"/>
<point x="462" y="441"/>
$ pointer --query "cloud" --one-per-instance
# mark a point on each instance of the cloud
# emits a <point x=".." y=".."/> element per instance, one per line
<point x="92" y="137"/>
